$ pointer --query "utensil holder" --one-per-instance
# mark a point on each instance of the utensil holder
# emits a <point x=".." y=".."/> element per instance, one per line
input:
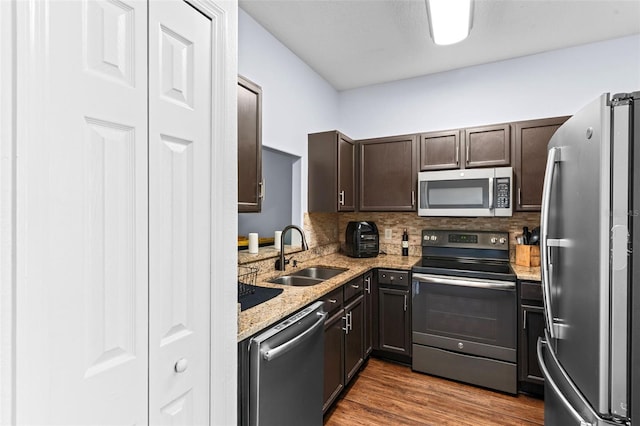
<point x="527" y="255"/>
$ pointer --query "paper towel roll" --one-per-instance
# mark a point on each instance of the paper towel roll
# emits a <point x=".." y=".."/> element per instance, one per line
<point x="253" y="242"/>
<point x="276" y="239"/>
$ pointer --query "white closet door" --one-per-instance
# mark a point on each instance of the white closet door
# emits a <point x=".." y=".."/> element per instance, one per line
<point x="82" y="271"/>
<point x="179" y="215"/>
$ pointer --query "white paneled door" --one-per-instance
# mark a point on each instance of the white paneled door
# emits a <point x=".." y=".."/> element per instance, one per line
<point x="113" y="213"/>
<point x="82" y="215"/>
<point x="179" y="213"/>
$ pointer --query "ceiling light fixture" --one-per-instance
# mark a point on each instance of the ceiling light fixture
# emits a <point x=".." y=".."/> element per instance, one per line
<point x="449" y="20"/>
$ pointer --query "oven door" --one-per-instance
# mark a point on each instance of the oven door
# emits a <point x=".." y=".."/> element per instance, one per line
<point x="465" y="315"/>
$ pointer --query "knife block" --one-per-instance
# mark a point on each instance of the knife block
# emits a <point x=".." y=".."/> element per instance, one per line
<point x="527" y="255"/>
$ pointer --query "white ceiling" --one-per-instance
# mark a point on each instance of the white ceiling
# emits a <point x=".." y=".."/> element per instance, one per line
<point x="354" y="43"/>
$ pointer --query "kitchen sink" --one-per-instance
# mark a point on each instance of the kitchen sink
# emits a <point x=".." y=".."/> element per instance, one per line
<point x="295" y="280"/>
<point x="319" y="272"/>
<point x="308" y="276"/>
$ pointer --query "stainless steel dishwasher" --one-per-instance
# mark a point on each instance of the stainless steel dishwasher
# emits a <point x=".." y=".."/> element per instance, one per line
<point x="286" y="371"/>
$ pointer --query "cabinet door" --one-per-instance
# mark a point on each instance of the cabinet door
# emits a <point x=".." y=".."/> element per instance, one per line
<point x="393" y="320"/>
<point x="388" y="172"/>
<point x="333" y="358"/>
<point x="346" y="174"/>
<point x="530" y="143"/>
<point x="440" y="150"/>
<point x="368" y="313"/>
<point x="532" y="328"/>
<point x="331" y="176"/>
<point x="354" y="338"/>
<point x="487" y="146"/>
<point x="249" y="146"/>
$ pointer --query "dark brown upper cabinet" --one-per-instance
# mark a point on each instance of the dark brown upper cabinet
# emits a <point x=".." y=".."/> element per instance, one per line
<point x="487" y="146"/>
<point x="440" y="150"/>
<point x="388" y="173"/>
<point x="250" y="184"/>
<point x="530" y="142"/>
<point x="332" y="185"/>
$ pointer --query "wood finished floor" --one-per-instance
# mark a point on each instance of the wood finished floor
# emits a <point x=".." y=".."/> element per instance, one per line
<point x="390" y="394"/>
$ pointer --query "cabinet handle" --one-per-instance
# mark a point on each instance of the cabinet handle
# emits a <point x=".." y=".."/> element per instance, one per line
<point x="457" y="153"/>
<point x="262" y="185"/>
<point x="524" y="320"/>
<point x="368" y="282"/>
<point x="356" y="286"/>
<point x="350" y="314"/>
<point x="341" y="198"/>
<point x="332" y="301"/>
<point x="413" y="198"/>
<point x="405" y="303"/>
<point x="520" y="196"/>
<point x="467" y="159"/>
<point x="346" y="324"/>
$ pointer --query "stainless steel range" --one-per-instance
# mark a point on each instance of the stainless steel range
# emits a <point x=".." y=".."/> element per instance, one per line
<point x="464" y="308"/>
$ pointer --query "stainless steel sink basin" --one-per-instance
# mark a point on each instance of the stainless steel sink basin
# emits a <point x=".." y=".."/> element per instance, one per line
<point x="319" y="272"/>
<point x="295" y="280"/>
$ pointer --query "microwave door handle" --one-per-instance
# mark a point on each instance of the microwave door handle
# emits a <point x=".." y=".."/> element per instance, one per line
<point x="490" y="193"/>
<point x="552" y="158"/>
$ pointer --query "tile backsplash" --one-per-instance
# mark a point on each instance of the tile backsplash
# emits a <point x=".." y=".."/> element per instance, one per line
<point x="328" y="228"/>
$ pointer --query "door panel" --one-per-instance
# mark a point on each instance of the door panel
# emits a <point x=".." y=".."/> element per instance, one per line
<point x="82" y="281"/>
<point x="179" y="215"/>
<point x="579" y="275"/>
<point x="346" y="174"/>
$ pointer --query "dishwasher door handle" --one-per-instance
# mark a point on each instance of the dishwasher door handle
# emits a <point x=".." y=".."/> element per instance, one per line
<point x="274" y="353"/>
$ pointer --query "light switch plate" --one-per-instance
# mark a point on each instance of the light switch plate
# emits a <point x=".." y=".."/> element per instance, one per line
<point x="387" y="234"/>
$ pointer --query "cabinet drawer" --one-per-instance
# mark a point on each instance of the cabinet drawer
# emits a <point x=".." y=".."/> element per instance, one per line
<point x="531" y="290"/>
<point x="332" y="301"/>
<point x="353" y="288"/>
<point x="392" y="277"/>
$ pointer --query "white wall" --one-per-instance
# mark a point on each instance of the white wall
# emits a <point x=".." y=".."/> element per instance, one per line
<point x="543" y="85"/>
<point x="296" y="101"/>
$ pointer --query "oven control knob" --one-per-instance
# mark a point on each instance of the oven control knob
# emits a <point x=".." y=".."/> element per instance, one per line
<point x="494" y="240"/>
<point x="434" y="238"/>
<point x="503" y="240"/>
<point x="460" y="345"/>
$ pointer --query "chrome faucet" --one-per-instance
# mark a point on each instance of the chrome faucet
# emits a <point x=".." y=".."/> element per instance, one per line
<point x="282" y="263"/>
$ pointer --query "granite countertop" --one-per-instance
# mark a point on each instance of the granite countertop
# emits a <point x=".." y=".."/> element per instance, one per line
<point x="292" y="298"/>
<point x="531" y="273"/>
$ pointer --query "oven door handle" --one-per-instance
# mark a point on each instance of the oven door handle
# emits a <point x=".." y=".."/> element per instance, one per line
<point x="465" y="282"/>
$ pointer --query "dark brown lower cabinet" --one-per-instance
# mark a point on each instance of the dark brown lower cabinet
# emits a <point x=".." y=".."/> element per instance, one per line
<point x="531" y="324"/>
<point x="369" y="290"/>
<point x="333" y="358"/>
<point x="344" y="334"/>
<point x="393" y="320"/>
<point x="353" y="338"/>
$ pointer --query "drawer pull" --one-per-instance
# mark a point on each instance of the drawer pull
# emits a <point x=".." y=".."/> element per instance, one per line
<point x="356" y="286"/>
<point x="332" y="301"/>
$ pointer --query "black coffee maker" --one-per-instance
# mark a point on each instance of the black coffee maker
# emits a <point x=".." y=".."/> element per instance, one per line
<point x="361" y="239"/>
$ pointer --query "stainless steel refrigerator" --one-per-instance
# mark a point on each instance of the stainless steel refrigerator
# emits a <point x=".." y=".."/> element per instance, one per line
<point x="590" y="224"/>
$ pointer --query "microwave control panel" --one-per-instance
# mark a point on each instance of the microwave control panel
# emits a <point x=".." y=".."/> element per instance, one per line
<point x="503" y="195"/>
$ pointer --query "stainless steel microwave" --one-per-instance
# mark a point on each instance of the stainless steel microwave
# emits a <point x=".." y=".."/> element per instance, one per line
<point x="469" y="192"/>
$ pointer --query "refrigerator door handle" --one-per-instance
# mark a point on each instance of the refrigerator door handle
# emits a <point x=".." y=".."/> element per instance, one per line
<point x="554" y="387"/>
<point x="552" y="158"/>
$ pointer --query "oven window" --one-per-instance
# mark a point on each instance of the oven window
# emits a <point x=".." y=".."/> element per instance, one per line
<point x="443" y="194"/>
<point x="479" y="315"/>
